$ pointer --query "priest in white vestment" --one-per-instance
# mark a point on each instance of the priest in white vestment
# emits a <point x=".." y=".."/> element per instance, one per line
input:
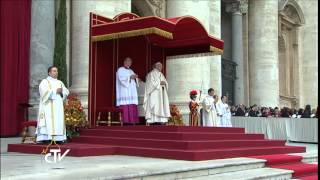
<point x="126" y="92"/>
<point x="209" y="114"/>
<point x="156" y="101"/>
<point x="51" y="124"/>
<point x="225" y="111"/>
<point x="219" y="109"/>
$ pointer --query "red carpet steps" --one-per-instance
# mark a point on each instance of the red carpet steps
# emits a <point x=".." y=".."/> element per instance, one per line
<point x="170" y="142"/>
<point x="290" y="162"/>
<point x="273" y="168"/>
<point x="250" y="174"/>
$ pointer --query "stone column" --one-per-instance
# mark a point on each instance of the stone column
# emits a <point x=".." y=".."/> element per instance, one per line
<point x="215" y="30"/>
<point x="263" y="52"/>
<point x="185" y="73"/>
<point x="237" y="8"/>
<point x="68" y="40"/>
<point x="197" y="71"/>
<point x="80" y="38"/>
<point x="41" y="47"/>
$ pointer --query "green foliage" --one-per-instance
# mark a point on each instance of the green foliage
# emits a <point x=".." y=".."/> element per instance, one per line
<point x="59" y="59"/>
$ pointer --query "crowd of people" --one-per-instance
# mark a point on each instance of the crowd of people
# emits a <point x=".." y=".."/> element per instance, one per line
<point x="215" y="111"/>
<point x="257" y="111"/>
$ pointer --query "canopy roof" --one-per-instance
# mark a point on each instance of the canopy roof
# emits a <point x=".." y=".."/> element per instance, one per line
<point x="180" y="35"/>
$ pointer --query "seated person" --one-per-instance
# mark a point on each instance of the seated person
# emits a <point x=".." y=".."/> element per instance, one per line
<point x="253" y="112"/>
<point x="307" y="112"/>
<point x="240" y="111"/>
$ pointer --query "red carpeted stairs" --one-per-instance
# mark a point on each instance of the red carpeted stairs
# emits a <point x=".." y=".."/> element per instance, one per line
<point x="171" y="142"/>
<point x="292" y="162"/>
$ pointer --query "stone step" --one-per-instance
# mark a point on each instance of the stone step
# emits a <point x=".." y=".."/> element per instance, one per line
<point x="259" y="173"/>
<point x="192" y="170"/>
<point x="314" y="163"/>
<point x="308" y="157"/>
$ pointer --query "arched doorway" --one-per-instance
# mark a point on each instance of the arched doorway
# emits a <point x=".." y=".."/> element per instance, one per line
<point x="228" y="77"/>
<point x="290" y="19"/>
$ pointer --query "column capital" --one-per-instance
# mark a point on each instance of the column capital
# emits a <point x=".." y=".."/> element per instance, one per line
<point x="236" y="6"/>
<point x="158" y="7"/>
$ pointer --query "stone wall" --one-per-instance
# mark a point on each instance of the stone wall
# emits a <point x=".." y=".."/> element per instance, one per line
<point x="41" y="47"/>
<point x="308" y="58"/>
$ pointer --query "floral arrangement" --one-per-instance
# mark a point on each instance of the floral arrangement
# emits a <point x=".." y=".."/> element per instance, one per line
<point x="74" y="115"/>
<point x="176" y="117"/>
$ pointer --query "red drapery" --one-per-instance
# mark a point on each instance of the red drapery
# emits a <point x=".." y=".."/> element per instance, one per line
<point x="15" y="19"/>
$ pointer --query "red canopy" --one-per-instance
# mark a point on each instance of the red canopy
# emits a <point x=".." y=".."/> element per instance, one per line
<point x="144" y="39"/>
<point x="171" y="34"/>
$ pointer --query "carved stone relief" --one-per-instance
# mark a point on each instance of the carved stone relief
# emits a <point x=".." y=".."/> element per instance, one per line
<point x="240" y="6"/>
<point x="158" y="7"/>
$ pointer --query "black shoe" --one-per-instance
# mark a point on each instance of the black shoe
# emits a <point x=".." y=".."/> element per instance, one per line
<point x="60" y="142"/>
<point x="43" y="142"/>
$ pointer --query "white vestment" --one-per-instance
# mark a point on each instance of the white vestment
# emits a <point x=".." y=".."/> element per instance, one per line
<point x="51" y="124"/>
<point x="126" y="88"/>
<point x="209" y="113"/>
<point x="219" y="111"/>
<point x="156" y="102"/>
<point x="225" y="120"/>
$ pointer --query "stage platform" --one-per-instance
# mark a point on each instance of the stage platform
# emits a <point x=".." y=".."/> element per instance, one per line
<point x="169" y="142"/>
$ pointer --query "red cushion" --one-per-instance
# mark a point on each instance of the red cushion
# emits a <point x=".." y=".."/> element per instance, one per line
<point x="29" y="123"/>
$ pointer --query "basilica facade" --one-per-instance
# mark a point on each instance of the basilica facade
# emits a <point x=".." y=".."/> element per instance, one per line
<point x="270" y="53"/>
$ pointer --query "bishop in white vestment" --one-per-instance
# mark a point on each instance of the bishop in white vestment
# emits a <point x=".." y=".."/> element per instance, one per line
<point x="209" y="113"/>
<point x="156" y="101"/>
<point x="51" y="124"/>
<point x="126" y="92"/>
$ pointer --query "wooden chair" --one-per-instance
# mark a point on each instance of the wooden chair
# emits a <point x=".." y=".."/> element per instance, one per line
<point x="109" y="116"/>
<point x="26" y="123"/>
<point x="24" y="133"/>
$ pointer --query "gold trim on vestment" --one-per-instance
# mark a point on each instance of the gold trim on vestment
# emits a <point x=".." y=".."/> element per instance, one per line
<point x="45" y="94"/>
<point x="64" y="121"/>
<point x="52" y="114"/>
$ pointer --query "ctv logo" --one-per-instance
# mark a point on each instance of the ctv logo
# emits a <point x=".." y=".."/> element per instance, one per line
<point x="56" y="155"/>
